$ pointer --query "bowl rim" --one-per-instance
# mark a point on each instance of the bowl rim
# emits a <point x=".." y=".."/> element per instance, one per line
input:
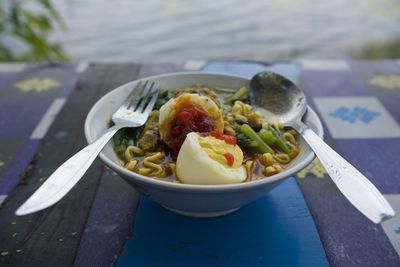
<point x="140" y="179"/>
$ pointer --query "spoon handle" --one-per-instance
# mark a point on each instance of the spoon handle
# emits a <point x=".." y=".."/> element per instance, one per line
<point x="352" y="183"/>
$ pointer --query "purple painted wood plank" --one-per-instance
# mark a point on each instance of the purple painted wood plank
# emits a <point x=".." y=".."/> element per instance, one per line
<point x="348" y="237"/>
<point x="333" y="83"/>
<point x="13" y="174"/>
<point x="5" y="79"/>
<point x="380" y="78"/>
<point x="378" y="159"/>
<point x="18" y="118"/>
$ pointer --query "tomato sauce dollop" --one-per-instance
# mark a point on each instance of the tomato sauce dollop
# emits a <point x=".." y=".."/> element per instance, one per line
<point x="190" y="118"/>
<point x="227" y="138"/>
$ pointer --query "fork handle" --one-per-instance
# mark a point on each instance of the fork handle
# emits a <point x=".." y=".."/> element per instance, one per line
<point x="77" y="165"/>
<point x="352" y="183"/>
<point x="66" y="176"/>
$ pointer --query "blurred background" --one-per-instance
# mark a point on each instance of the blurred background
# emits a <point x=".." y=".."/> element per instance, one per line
<point x="167" y="30"/>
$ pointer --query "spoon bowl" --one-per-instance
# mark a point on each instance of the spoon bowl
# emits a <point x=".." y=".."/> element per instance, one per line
<point x="282" y="97"/>
<point x="279" y="96"/>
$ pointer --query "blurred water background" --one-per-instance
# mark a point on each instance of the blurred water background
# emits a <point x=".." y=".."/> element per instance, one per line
<point x="162" y="30"/>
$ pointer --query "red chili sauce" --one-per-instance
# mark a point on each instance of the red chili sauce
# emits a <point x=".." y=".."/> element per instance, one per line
<point x="190" y="118"/>
<point x="230" y="158"/>
<point x="231" y="140"/>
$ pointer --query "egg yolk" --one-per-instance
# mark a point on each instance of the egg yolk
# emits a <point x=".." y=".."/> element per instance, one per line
<point x="190" y="118"/>
<point x="228" y="155"/>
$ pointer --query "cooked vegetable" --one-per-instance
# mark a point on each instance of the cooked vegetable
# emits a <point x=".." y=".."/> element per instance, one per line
<point x="240" y="93"/>
<point x="149" y="140"/>
<point x="162" y="98"/>
<point x="149" y="137"/>
<point x="264" y="147"/>
<point x="280" y="142"/>
<point x="268" y="137"/>
<point x="255" y="121"/>
<point x="124" y="138"/>
<point x="228" y="129"/>
<point x="151" y="123"/>
<point x="244" y="142"/>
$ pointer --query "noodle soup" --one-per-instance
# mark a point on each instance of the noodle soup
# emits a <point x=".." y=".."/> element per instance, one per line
<point x="203" y="135"/>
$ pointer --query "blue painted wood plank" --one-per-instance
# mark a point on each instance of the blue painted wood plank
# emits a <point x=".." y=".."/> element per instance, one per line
<point x="276" y="230"/>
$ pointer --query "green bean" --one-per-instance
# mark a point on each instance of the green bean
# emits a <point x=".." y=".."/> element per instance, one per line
<point x="279" y="140"/>
<point x="252" y="144"/>
<point x="268" y="137"/>
<point x="237" y="95"/>
<point x="264" y="148"/>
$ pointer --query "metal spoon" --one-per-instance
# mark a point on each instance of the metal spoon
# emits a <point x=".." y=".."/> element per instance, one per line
<point x="280" y="96"/>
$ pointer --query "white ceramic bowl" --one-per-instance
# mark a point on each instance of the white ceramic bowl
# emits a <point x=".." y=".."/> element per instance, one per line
<point x="187" y="199"/>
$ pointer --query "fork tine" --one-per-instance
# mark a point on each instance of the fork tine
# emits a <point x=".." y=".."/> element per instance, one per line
<point x="133" y="102"/>
<point x="153" y="99"/>
<point x="144" y="97"/>
<point x="132" y="95"/>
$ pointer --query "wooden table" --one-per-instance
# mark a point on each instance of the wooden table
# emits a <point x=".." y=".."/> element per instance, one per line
<point x="304" y="222"/>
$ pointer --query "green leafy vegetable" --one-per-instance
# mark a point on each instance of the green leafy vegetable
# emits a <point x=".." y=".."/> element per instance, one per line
<point x="162" y="98"/>
<point x="244" y="142"/>
<point x="124" y="138"/>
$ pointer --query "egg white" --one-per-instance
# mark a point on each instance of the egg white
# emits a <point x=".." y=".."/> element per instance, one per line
<point x="194" y="166"/>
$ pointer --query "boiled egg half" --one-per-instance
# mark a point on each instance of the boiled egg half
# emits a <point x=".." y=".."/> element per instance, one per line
<point x="203" y="113"/>
<point x="209" y="161"/>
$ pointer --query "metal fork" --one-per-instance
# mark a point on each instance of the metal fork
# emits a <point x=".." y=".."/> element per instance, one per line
<point x="132" y="113"/>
